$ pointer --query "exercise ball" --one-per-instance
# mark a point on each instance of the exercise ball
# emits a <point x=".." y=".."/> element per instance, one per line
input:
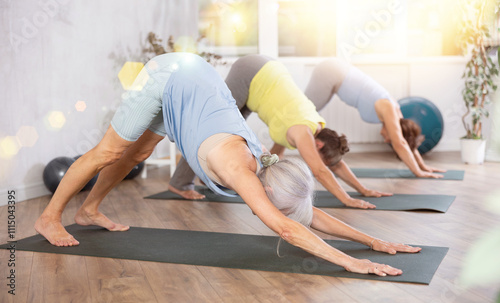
<point x="55" y="171"/>
<point x="92" y="181"/>
<point x="135" y="171"/>
<point x="427" y="116"/>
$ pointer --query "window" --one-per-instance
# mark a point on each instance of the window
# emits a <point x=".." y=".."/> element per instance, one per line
<point x="307" y="28"/>
<point x="322" y="28"/>
<point x="433" y="27"/>
<point x="371" y="28"/>
<point x="229" y="27"/>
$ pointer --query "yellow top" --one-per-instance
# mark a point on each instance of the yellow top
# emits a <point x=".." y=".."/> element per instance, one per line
<point x="274" y="96"/>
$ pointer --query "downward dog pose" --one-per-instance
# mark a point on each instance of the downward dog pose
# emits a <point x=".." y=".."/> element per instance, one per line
<point x="375" y="105"/>
<point x="264" y="86"/>
<point x="185" y="99"/>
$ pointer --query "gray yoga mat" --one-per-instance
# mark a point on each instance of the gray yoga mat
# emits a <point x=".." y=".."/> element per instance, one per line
<point x="324" y="199"/>
<point x="232" y="251"/>
<point x="402" y="173"/>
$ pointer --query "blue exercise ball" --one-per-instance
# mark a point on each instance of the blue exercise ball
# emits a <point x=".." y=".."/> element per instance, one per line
<point x="135" y="171"/>
<point x="55" y="171"/>
<point x="92" y="181"/>
<point x="427" y="116"/>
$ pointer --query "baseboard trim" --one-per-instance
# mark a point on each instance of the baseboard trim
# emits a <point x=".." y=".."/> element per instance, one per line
<point x="24" y="192"/>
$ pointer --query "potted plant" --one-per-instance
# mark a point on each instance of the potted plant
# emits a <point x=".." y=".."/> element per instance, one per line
<point x="182" y="44"/>
<point x="479" y="75"/>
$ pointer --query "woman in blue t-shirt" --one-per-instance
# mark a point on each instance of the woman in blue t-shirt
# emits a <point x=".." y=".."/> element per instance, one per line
<point x="181" y="96"/>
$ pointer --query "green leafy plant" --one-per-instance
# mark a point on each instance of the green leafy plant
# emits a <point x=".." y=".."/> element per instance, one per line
<point x="156" y="46"/>
<point x="480" y="70"/>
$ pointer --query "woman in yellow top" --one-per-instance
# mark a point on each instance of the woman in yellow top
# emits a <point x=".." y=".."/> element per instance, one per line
<point x="263" y="85"/>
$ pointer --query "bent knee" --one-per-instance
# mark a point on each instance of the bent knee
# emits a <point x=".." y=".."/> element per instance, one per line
<point x="111" y="157"/>
<point x="106" y="156"/>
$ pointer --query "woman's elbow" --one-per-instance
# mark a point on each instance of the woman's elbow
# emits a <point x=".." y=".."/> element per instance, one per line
<point x="287" y="234"/>
<point x="289" y="231"/>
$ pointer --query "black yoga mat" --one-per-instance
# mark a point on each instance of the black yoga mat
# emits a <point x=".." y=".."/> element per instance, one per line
<point x="402" y="173"/>
<point x="232" y="251"/>
<point x="438" y="203"/>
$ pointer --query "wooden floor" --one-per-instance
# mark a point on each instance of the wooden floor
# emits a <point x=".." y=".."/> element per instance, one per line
<point x="54" y="278"/>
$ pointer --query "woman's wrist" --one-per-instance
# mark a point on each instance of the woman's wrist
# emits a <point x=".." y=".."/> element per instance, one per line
<point x="363" y="190"/>
<point x="347" y="262"/>
<point x="420" y="173"/>
<point x="346" y="200"/>
<point x="372" y="242"/>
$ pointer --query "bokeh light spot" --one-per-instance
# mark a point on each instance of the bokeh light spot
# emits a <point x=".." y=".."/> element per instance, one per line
<point x="9" y="146"/>
<point x="55" y="120"/>
<point x="132" y="76"/>
<point x="236" y="18"/>
<point x="173" y="67"/>
<point x="27" y="136"/>
<point x="80" y="106"/>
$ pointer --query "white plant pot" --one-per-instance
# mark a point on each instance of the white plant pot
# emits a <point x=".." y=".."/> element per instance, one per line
<point x="473" y="150"/>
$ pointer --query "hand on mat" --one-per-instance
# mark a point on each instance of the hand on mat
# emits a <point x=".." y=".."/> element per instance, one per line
<point x="393" y="248"/>
<point x="433" y="169"/>
<point x="357" y="203"/>
<point x="425" y="174"/>
<point x="375" y="193"/>
<point x="364" y="266"/>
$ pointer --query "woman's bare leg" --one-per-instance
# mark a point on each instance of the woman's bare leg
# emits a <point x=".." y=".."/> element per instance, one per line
<point x="108" y="151"/>
<point x="109" y="177"/>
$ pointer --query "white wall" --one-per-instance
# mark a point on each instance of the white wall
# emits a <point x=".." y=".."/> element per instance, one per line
<point x="54" y="53"/>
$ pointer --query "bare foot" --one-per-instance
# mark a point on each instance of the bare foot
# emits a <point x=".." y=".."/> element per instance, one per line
<point x="85" y="218"/>
<point x="187" y="194"/>
<point x="54" y="232"/>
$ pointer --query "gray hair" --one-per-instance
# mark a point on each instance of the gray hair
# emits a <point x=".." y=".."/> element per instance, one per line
<point x="289" y="185"/>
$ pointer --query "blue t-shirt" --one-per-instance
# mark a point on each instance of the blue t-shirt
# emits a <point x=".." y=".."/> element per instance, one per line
<point x="361" y="91"/>
<point x="196" y="105"/>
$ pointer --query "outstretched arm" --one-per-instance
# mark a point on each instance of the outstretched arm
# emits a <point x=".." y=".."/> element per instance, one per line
<point x="425" y="167"/>
<point x="233" y="165"/>
<point x="301" y="137"/>
<point x="332" y="226"/>
<point x="298" y="235"/>
<point x="398" y="142"/>
<point x="343" y="171"/>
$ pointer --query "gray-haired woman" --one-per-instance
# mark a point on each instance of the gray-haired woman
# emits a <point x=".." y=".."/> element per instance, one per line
<point x="289" y="185"/>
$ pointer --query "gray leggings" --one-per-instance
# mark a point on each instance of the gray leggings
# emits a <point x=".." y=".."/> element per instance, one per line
<point x="238" y="81"/>
<point x="241" y="75"/>
<point x="325" y="81"/>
